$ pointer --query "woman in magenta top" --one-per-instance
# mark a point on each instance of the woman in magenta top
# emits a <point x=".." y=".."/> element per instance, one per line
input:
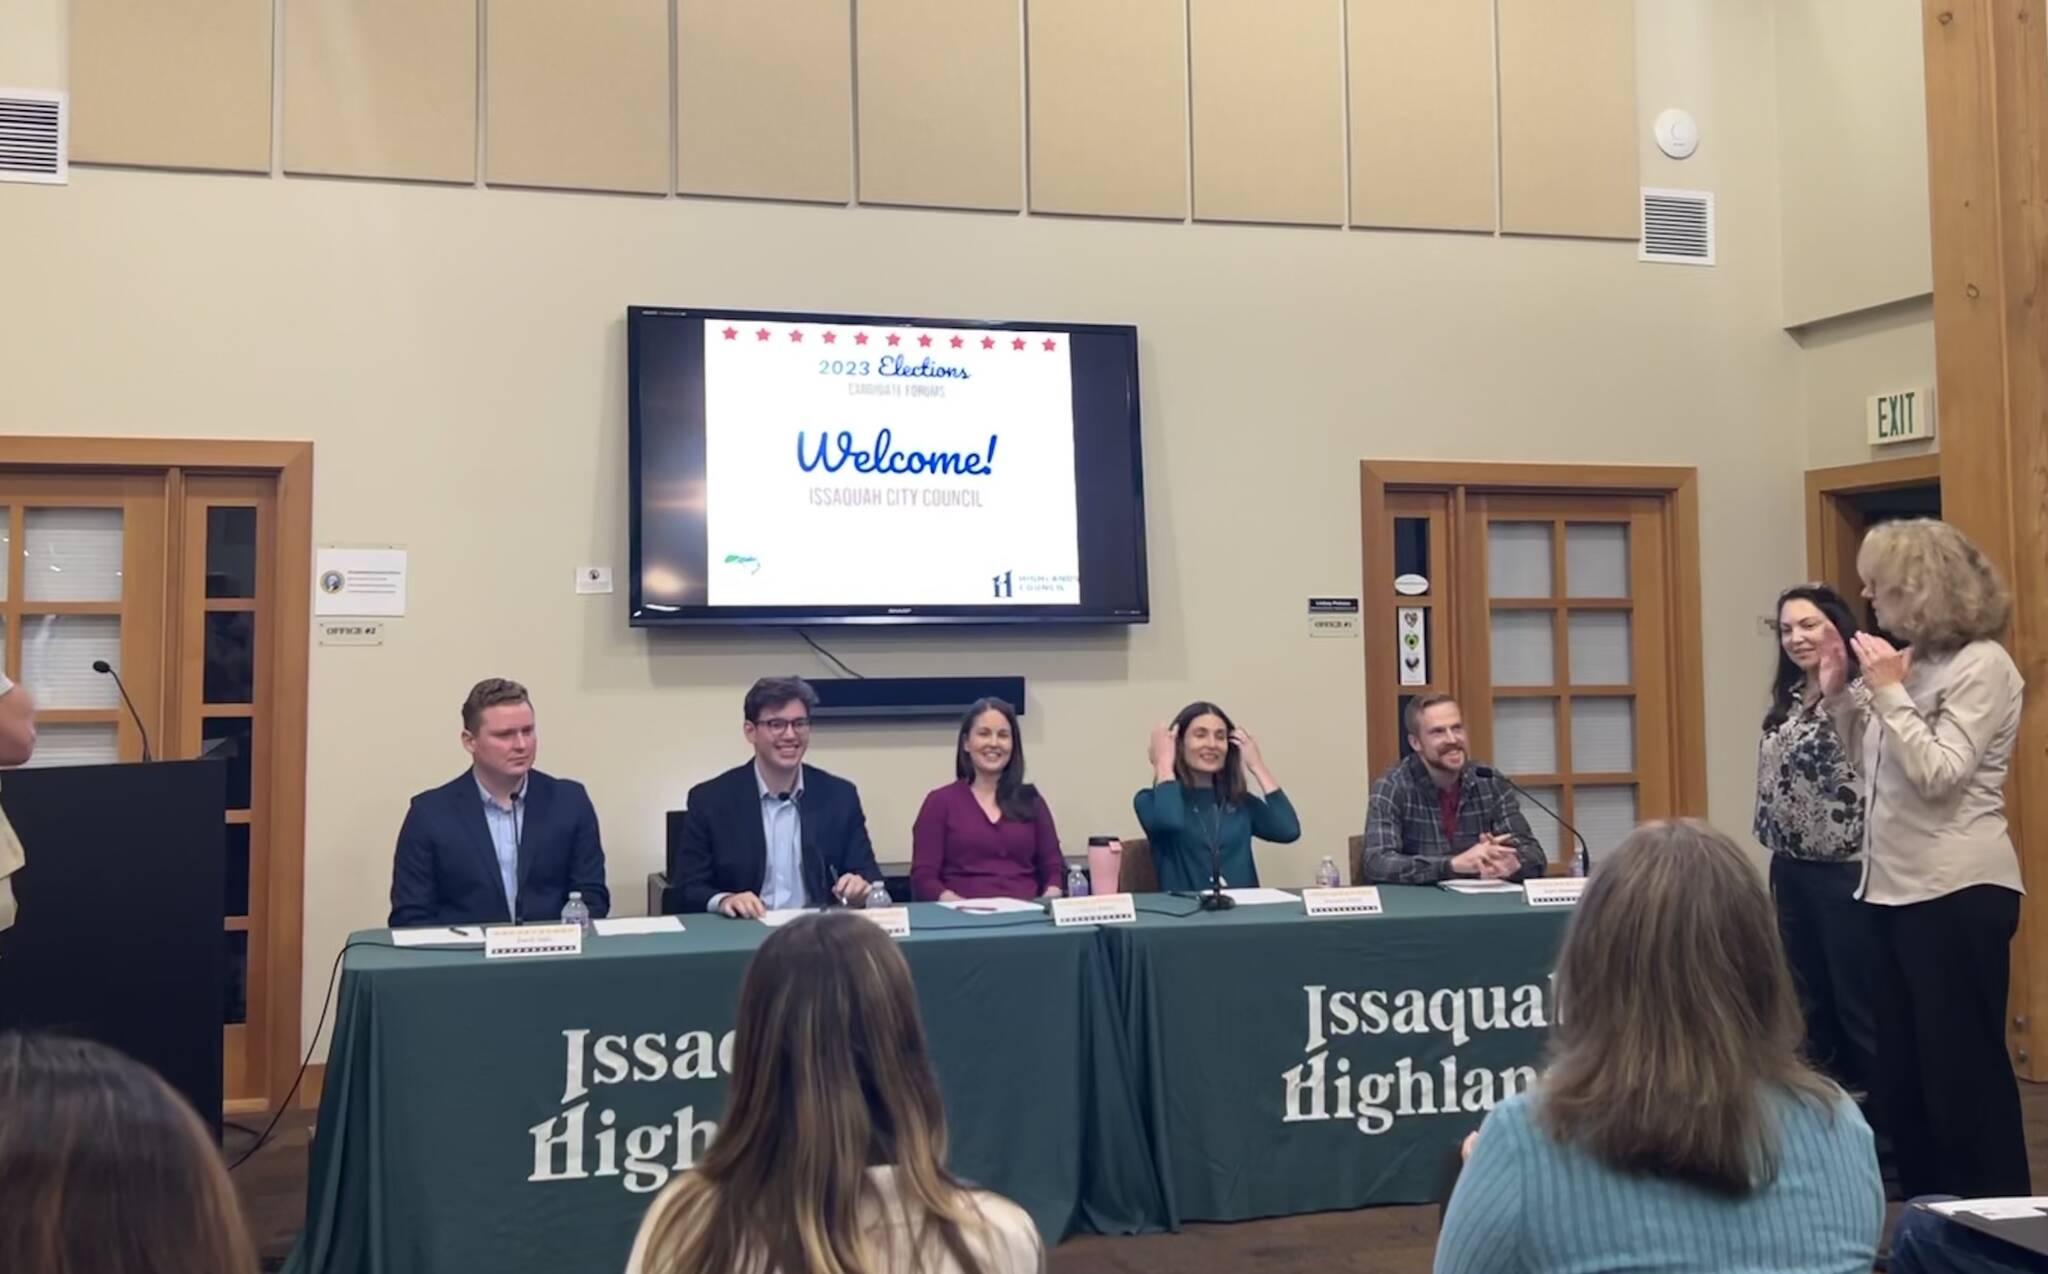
<point x="988" y="835"/>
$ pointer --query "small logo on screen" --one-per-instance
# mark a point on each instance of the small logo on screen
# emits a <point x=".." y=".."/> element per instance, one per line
<point x="1000" y="585"/>
<point x="751" y="565"/>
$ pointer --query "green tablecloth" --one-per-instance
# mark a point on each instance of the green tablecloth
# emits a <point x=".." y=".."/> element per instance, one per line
<point x="1290" y="1064"/>
<point x="457" y="1086"/>
<point x="518" y="1115"/>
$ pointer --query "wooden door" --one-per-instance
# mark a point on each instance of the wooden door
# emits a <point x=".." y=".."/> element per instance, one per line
<point x="185" y="565"/>
<point x="1555" y="613"/>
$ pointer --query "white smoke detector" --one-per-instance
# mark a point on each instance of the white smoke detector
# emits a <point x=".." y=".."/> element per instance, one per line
<point x="1678" y="133"/>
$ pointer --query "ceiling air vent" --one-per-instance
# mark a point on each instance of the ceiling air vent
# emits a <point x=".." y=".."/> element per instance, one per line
<point x="1678" y="226"/>
<point x="32" y="134"/>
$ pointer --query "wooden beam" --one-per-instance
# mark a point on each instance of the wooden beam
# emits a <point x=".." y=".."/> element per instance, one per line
<point x="1987" y="120"/>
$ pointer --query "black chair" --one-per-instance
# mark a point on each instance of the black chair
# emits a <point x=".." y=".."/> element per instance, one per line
<point x="662" y="899"/>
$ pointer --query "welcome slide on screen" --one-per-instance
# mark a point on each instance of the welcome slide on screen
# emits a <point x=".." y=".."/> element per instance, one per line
<point x="863" y="465"/>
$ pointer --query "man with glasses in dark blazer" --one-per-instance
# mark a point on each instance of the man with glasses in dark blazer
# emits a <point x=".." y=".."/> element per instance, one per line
<point x="774" y="833"/>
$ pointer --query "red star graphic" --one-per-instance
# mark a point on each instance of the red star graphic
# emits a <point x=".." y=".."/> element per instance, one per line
<point x="761" y="335"/>
<point x="924" y="341"/>
<point x="894" y="339"/>
<point x="1017" y="344"/>
<point x="956" y="342"/>
<point x="988" y="342"/>
<point x="860" y="338"/>
<point x="831" y="338"/>
<point x="732" y="333"/>
<point x="796" y="335"/>
<point x="1050" y="345"/>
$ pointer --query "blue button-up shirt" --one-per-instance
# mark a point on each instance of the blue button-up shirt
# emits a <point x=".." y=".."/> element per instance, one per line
<point x="505" y="823"/>
<point x="783" y="885"/>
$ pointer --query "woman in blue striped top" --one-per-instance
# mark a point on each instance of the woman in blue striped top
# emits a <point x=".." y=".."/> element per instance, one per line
<point x="1676" y="1127"/>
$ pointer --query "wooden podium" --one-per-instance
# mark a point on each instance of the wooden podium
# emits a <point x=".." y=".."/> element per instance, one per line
<point x="120" y="937"/>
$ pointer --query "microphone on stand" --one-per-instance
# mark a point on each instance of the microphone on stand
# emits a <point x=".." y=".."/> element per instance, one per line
<point x="1216" y="899"/>
<point x="1489" y="772"/>
<point x="103" y="667"/>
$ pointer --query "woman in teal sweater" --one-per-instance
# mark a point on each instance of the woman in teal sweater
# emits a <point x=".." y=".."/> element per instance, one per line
<point x="1198" y="802"/>
<point x="1676" y="1127"/>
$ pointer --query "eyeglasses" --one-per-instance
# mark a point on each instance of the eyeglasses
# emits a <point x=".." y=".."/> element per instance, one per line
<point x="779" y="726"/>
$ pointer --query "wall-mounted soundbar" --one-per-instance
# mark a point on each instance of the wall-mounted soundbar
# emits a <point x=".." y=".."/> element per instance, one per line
<point x="849" y="698"/>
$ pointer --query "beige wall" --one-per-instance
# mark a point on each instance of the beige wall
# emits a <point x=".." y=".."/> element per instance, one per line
<point x="1852" y="158"/>
<point x="458" y="356"/>
<point x="1844" y="361"/>
<point x="32" y="36"/>
<point x="1852" y="154"/>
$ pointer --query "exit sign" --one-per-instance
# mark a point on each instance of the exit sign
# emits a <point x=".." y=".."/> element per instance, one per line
<point x="1907" y="416"/>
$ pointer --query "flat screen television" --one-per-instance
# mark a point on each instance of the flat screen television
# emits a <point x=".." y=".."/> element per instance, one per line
<point x="869" y="469"/>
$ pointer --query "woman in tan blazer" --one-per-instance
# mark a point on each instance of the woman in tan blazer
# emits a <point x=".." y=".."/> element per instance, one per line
<point x="1931" y="728"/>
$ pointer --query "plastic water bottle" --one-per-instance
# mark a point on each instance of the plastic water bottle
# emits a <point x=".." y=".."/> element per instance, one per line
<point x="1327" y="876"/>
<point x="1077" y="882"/>
<point x="576" y="913"/>
<point x="878" y="894"/>
<point x="1579" y="861"/>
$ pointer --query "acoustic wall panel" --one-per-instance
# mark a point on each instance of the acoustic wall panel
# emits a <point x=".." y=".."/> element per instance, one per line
<point x="1568" y="161"/>
<point x="1267" y="79"/>
<point x="171" y="83"/>
<point x="381" y="88"/>
<point x="1421" y="90"/>
<point x="940" y="85"/>
<point x="576" y="95"/>
<point x="1109" y="118"/>
<point x="764" y="99"/>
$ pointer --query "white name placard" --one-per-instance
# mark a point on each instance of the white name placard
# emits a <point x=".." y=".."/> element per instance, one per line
<point x="1352" y="900"/>
<point x="1108" y="909"/>
<point x="895" y="921"/>
<point x="1558" y="891"/>
<point x="511" y="941"/>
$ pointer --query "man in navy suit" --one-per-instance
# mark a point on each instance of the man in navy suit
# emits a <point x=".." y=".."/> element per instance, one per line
<point x="503" y="842"/>
<point x="774" y="833"/>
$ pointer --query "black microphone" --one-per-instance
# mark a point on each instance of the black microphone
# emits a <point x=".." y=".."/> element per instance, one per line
<point x="1216" y="899"/>
<point x="1489" y="772"/>
<point x="102" y="666"/>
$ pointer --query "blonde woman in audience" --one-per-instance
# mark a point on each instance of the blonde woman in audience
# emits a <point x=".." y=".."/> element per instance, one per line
<point x="831" y="1158"/>
<point x="1931" y="730"/>
<point x="105" y="1170"/>
<point x="1676" y="1127"/>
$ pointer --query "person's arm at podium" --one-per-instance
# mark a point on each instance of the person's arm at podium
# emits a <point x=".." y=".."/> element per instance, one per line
<point x="586" y="859"/>
<point x="412" y="873"/>
<point x="17" y="723"/>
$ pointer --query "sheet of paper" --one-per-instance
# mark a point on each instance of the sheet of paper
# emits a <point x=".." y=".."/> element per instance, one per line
<point x="777" y="919"/>
<point x="623" y="925"/>
<point x="359" y="581"/>
<point x="1260" y="897"/>
<point x="439" y="936"/>
<point x="991" y="906"/>
<point x="2005" y="1209"/>
<point x="1481" y="886"/>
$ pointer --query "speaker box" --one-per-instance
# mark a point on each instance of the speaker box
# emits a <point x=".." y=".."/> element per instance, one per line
<point x="903" y="698"/>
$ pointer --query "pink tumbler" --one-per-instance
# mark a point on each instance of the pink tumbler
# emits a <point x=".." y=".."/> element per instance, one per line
<point x="1105" y="858"/>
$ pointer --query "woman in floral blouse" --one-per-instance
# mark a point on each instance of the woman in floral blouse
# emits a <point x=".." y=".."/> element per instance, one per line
<point x="1809" y="814"/>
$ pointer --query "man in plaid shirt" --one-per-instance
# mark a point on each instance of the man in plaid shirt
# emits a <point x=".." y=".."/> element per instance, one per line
<point x="1431" y="818"/>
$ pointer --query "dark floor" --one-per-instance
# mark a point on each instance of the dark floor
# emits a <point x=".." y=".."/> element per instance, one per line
<point x="1379" y="1240"/>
